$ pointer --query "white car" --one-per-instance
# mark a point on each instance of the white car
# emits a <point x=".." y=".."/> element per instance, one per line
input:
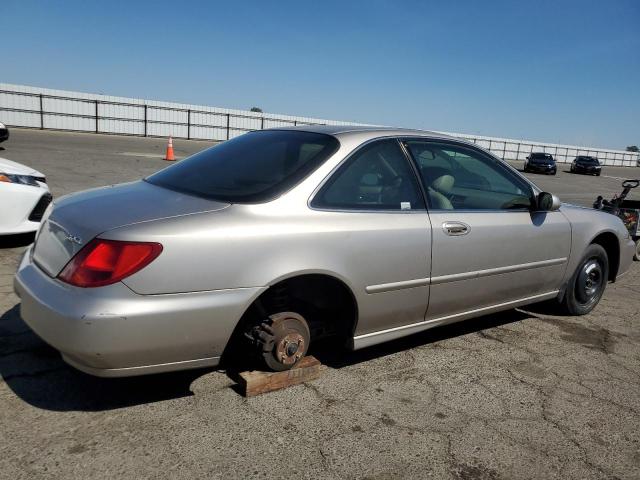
<point x="24" y="196"/>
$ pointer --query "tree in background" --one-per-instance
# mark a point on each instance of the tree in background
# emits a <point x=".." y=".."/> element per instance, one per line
<point x="633" y="148"/>
<point x="256" y="109"/>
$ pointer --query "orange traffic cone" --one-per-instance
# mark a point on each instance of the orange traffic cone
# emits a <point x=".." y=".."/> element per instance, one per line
<point x="170" y="156"/>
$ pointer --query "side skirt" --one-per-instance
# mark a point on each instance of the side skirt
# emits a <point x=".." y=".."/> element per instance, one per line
<point x="373" y="338"/>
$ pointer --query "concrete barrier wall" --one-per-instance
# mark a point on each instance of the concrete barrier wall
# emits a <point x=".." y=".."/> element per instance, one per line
<point x="46" y="108"/>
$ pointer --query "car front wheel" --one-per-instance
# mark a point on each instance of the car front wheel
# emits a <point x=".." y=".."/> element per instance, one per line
<point x="586" y="286"/>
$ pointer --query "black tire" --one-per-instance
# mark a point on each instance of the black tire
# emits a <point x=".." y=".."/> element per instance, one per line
<point x="587" y="284"/>
<point x="598" y="174"/>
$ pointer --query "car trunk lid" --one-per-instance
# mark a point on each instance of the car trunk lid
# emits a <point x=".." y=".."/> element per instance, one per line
<point x="78" y="218"/>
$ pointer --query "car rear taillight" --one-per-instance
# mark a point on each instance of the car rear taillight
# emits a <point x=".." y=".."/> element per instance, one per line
<point x="103" y="262"/>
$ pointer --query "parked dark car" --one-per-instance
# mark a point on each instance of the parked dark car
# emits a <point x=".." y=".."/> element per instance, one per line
<point x="4" y="132"/>
<point x="540" y="162"/>
<point x="588" y="165"/>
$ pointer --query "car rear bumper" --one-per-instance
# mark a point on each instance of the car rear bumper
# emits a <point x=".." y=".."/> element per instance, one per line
<point x="112" y="331"/>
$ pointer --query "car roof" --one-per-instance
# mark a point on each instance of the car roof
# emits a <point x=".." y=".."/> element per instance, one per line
<point x="365" y="131"/>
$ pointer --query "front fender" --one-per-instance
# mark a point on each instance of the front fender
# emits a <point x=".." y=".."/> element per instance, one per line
<point x="587" y="225"/>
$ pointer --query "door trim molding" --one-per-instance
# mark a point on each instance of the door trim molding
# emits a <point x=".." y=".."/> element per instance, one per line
<point x="389" y="287"/>
<point x="456" y="277"/>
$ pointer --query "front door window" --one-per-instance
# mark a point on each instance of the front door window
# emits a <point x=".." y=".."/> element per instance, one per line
<point x="457" y="177"/>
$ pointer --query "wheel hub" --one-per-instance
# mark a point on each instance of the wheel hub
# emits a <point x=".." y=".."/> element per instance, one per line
<point x="283" y="339"/>
<point x="589" y="281"/>
<point x="289" y="349"/>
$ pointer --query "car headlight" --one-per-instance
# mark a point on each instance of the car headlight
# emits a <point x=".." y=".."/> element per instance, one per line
<point x="19" y="179"/>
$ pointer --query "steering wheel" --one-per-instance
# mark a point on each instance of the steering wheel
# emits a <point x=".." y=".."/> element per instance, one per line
<point x="630" y="183"/>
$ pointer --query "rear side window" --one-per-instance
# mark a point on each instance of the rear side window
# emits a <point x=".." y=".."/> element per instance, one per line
<point x="376" y="177"/>
<point x="255" y="167"/>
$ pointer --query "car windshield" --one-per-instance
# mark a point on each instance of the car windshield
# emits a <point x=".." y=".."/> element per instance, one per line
<point x="541" y="156"/>
<point x="589" y="160"/>
<point x="254" y="167"/>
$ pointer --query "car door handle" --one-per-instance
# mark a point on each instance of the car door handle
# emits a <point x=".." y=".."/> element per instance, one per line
<point x="455" y="228"/>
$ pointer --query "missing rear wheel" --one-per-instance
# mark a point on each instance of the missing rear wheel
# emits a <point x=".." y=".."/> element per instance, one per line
<point x="282" y="339"/>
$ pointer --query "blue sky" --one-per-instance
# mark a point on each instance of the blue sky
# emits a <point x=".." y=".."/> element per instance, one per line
<point x="558" y="71"/>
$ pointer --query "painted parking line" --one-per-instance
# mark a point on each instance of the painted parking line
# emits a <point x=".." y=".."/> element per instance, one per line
<point x="617" y="178"/>
<point x="141" y="154"/>
<point x="146" y="155"/>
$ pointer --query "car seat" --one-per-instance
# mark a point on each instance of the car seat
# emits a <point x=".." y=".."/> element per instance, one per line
<point x="438" y="192"/>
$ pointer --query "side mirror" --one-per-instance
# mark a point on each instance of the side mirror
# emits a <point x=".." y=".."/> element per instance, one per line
<point x="547" y="202"/>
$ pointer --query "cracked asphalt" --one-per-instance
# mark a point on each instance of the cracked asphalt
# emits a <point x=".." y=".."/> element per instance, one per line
<point x="521" y="394"/>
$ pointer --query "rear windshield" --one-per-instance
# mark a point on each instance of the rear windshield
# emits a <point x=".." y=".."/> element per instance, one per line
<point x="255" y="167"/>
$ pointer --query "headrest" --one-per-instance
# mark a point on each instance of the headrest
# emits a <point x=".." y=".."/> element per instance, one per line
<point x="443" y="184"/>
<point x="369" y="179"/>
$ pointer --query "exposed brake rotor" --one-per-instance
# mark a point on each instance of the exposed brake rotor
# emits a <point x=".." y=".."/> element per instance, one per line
<point x="283" y="339"/>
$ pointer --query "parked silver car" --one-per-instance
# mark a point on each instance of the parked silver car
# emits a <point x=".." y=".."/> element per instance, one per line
<point x="273" y="240"/>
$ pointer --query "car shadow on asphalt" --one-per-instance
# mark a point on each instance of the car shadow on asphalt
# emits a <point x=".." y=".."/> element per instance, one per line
<point x="335" y="358"/>
<point x="36" y="373"/>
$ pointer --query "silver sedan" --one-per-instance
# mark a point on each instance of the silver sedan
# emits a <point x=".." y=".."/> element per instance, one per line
<point x="272" y="241"/>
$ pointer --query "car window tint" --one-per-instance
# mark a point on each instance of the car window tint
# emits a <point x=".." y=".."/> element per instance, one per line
<point x="376" y="177"/>
<point x="456" y="177"/>
<point x="254" y="167"/>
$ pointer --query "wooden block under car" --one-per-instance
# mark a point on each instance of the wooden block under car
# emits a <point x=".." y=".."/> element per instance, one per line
<point x="255" y="382"/>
